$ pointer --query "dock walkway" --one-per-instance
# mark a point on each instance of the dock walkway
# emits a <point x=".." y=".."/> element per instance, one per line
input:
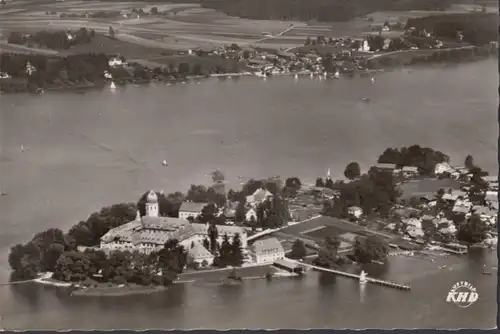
<point x="369" y="279"/>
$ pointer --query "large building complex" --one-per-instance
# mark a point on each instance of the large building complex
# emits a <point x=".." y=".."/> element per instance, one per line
<point x="151" y="232"/>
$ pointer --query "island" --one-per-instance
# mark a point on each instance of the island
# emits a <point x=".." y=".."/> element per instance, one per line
<point x="413" y="199"/>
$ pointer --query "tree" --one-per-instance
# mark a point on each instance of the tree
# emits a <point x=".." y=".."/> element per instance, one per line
<point x="320" y="182"/>
<point x="293" y="182"/>
<point x="213" y="235"/>
<point x="371" y="248"/>
<point x="111" y="32"/>
<point x="206" y="244"/>
<point x="329" y="183"/>
<point x="240" y="211"/>
<point x="473" y="230"/>
<point x="154" y="11"/>
<point x="172" y="257"/>
<point x="198" y="194"/>
<point x="223" y="258"/>
<point x="236" y="255"/>
<point x="298" y="250"/>
<point x="352" y="171"/>
<point x="469" y="162"/>
<point x="327" y="254"/>
<point x="183" y="69"/>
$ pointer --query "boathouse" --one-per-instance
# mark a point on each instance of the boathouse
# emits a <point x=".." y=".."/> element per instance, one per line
<point x="288" y="266"/>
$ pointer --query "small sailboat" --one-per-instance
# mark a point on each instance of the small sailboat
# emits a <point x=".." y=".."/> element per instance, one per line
<point x="325" y="74"/>
<point x="362" y="277"/>
<point x="372" y="80"/>
<point x="337" y="75"/>
<point x="296" y="76"/>
<point x="311" y="75"/>
<point x="366" y="99"/>
<point x="164" y="163"/>
<point x="112" y="85"/>
<point x="23" y="149"/>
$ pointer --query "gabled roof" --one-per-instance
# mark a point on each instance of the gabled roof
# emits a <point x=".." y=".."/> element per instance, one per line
<point x="198" y="251"/>
<point x="267" y="245"/>
<point x="192" y="207"/>
<point x="386" y="166"/>
<point x="410" y="169"/>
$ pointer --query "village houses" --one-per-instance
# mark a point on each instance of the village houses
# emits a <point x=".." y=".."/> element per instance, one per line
<point x="191" y="209"/>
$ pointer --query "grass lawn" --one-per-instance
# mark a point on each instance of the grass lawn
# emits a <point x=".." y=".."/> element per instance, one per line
<point x="335" y="223"/>
<point x="426" y="186"/>
<point x="111" y="46"/>
<point x="222" y="274"/>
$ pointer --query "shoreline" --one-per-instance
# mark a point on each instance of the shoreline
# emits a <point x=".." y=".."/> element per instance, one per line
<point x="396" y="59"/>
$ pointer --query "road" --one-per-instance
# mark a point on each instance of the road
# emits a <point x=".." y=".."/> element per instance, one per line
<point x="418" y="51"/>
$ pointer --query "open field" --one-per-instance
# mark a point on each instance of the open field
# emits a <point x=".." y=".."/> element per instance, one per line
<point x="329" y="231"/>
<point x="327" y="222"/>
<point x="426" y="187"/>
<point x="181" y="26"/>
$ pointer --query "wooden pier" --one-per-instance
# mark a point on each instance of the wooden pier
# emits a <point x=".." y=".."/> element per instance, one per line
<point x="369" y="279"/>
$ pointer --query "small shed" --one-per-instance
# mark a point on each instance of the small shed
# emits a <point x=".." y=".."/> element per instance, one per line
<point x="288" y="266"/>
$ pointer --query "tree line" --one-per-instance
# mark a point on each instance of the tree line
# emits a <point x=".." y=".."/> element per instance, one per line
<point x="316" y="10"/>
<point x="476" y="28"/>
<point x="56" y="40"/>
<point x="424" y="158"/>
<point x="88" y="69"/>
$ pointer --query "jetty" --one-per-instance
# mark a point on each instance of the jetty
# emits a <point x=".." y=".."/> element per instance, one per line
<point x="357" y="277"/>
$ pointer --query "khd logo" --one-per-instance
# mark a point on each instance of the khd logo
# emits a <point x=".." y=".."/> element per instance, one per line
<point x="462" y="294"/>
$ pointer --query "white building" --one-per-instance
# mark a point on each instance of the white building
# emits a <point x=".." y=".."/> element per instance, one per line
<point x="259" y="196"/>
<point x="115" y="62"/>
<point x="190" y="209"/>
<point x="151" y="232"/>
<point x="199" y="254"/>
<point x="443" y="168"/>
<point x="249" y="214"/>
<point x="267" y="250"/>
<point x="355" y="211"/>
<point x="410" y="171"/>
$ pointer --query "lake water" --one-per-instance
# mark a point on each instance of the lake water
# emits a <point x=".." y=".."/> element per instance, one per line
<point x="84" y="151"/>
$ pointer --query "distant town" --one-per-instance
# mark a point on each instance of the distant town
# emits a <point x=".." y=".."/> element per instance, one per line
<point x="412" y="202"/>
<point x="392" y="44"/>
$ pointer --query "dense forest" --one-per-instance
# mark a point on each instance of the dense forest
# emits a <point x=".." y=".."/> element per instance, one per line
<point x="317" y="10"/>
<point x="477" y="28"/>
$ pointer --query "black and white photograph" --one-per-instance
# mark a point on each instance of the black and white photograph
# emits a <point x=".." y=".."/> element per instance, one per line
<point x="248" y="164"/>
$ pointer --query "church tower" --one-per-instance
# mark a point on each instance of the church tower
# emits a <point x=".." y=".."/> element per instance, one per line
<point x="152" y="209"/>
<point x="328" y="175"/>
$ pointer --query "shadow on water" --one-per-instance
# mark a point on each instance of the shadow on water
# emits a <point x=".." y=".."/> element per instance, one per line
<point x="327" y="279"/>
<point x="478" y="258"/>
<point x="29" y="293"/>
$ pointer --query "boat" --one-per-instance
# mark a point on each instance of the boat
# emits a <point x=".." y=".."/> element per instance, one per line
<point x="362" y="277"/>
<point x="296" y="76"/>
<point x="23" y="149"/>
<point x="164" y="163"/>
<point x="336" y="75"/>
<point x="486" y="272"/>
<point x="112" y="85"/>
<point x="366" y="99"/>
<point x="311" y="75"/>
<point x="373" y="80"/>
